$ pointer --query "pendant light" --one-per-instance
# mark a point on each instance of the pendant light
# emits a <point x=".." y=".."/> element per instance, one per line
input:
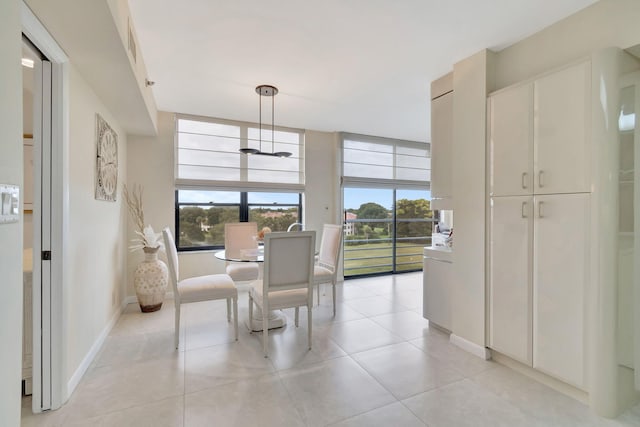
<point x="272" y="91"/>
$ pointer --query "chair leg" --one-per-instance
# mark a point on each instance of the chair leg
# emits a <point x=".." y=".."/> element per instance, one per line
<point x="177" y="326"/>
<point x="265" y="331"/>
<point x="235" y="316"/>
<point x="297" y="315"/>
<point x="318" y="294"/>
<point x="250" y="314"/>
<point x="309" y="323"/>
<point x="333" y="291"/>
<point x="228" y="309"/>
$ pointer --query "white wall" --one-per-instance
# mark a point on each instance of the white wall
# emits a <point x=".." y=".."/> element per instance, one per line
<point x="603" y="24"/>
<point x="321" y="204"/>
<point x="96" y="240"/>
<point x="10" y="173"/>
<point x="151" y="164"/>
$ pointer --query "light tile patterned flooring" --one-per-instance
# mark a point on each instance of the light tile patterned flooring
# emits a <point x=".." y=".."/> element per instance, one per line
<point x="376" y="363"/>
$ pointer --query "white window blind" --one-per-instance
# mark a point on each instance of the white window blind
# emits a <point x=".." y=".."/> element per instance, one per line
<point x="373" y="161"/>
<point x="207" y="156"/>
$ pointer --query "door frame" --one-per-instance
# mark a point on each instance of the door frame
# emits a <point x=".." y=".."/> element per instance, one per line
<point x="53" y="305"/>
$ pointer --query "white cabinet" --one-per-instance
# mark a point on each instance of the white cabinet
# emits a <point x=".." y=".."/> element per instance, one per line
<point x="539" y="183"/>
<point x="538" y="135"/>
<point x="511" y="142"/>
<point x="510" y="255"/>
<point x="441" y="142"/>
<point x="437" y="283"/>
<point x="562" y="109"/>
<point x="538" y="257"/>
<point x="561" y="246"/>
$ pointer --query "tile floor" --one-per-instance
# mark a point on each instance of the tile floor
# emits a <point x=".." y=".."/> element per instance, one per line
<point x="377" y="363"/>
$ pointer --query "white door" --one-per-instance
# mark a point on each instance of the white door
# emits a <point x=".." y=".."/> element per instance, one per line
<point x="50" y="145"/>
<point x="562" y="108"/>
<point x="511" y="142"/>
<point x="41" y="291"/>
<point x="441" y="140"/>
<point x="561" y="242"/>
<point x="510" y="276"/>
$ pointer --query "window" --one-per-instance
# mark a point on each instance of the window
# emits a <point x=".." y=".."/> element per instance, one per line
<point x="387" y="215"/>
<point x="383" y="161"/>
<point x="216" y="184"/>
<point x="201" y="215"/>
<point x="207" y="156"/>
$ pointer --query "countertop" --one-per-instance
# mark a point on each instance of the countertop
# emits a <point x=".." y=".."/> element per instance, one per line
<point x="443" y="253"/>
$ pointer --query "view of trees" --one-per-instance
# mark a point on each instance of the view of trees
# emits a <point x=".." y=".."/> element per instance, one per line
<point x="405" y="209"/>
<point x="205" y="226"/>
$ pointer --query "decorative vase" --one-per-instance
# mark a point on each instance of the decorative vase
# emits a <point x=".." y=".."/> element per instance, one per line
<point x="150" y="281"/>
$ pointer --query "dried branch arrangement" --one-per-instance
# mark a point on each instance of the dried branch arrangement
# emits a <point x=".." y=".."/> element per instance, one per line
<point x="147" y="237"/>
<point x="134" y="202"/>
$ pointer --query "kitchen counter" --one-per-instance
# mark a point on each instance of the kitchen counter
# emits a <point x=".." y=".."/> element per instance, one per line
<point x="437" y="282"/>
<point x="443" y="253"/>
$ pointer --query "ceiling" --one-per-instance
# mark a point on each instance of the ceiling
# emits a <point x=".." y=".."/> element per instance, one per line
<point x="361" y="66"/>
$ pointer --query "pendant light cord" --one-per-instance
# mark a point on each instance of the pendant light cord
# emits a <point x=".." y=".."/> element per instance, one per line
<point x="260" y="119"/>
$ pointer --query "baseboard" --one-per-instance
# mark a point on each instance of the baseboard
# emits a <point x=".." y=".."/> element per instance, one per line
<point x="132" y="299"/>
<point x="470" y="347"/>
<point x="95" y="348"/>
<point x="562" y="387"/>
<point x="91" y="355"/>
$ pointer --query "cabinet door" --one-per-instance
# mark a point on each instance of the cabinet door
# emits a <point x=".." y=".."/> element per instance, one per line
<point x="511" y="142"/>
<point x="561" y="117"/>
<point x="561" y="242"/>
<point x="441" y="140"/>
<point x="437" y="291"/>
<point x="510" y="263"/>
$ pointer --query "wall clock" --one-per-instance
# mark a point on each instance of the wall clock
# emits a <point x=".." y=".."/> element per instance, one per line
<point x="106" y="161"/>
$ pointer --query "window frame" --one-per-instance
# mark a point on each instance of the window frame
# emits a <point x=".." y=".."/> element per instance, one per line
<point x="244" y="208"/>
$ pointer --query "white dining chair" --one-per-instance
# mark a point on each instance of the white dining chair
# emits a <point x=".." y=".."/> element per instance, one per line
<point x="240" y="236"/>
<point x="199" y="288"/>
<point x="287" y="280"/>
<point x="326" y="268"/>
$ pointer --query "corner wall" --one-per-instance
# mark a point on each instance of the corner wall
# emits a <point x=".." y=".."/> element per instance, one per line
<point x="96" y="241"/>
<point x="603" y="24"/>
<point x="10" y="173"/>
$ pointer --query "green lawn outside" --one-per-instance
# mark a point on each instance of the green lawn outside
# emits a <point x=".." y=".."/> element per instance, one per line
<point x="375" y="254"/>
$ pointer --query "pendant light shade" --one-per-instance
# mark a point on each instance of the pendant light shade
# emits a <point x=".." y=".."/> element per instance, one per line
<point x="271" y="91"/>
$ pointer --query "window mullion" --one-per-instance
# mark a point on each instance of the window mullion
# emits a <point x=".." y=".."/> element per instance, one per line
<point x="244" y="207"/>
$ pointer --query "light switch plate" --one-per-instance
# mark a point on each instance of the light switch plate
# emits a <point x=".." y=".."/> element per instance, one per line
<point x="9" y="203"/>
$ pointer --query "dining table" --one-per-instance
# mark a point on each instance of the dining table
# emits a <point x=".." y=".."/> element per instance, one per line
<point x="276" y="319"/>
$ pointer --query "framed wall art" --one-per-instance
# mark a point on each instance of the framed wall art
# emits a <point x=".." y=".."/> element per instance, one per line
<point x="106" y="161"/>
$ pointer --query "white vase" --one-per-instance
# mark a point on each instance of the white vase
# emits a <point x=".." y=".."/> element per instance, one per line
<point x="150" y="281"/>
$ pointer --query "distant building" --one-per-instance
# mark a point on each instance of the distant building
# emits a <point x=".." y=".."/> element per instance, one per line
<point x="273" y="214"/>
<point x="350" y="228"/>
<point x="204" y="227"/>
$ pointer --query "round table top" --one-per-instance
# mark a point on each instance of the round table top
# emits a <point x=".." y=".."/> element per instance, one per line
<point x="244" y="255"/>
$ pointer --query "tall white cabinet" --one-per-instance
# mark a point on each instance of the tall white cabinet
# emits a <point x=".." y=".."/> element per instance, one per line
<point x="441" y="143"/>
<point x="539" y="183"/>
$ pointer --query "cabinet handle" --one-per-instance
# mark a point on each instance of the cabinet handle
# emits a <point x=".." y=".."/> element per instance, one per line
<point x="540" y="209"/>
<point x="540" y="175"/>
<point x="524" y="180"/>
<point x="524" y="209"/>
